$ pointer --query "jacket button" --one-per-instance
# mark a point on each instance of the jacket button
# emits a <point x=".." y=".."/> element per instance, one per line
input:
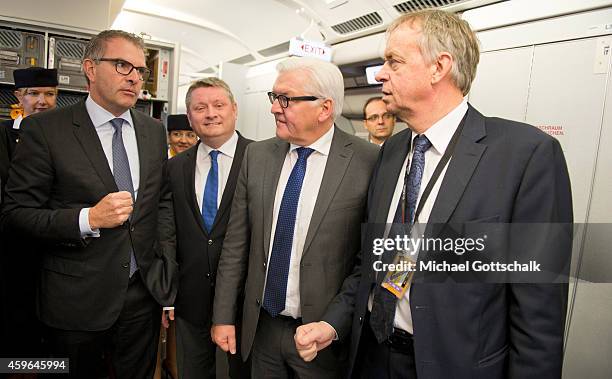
<point x="360" y="320"/>
<point x="264" y="264"/>
<point x="258" y="302"/>
<point x="126" y="265"/>
<point x="208" y="275"/>
<point x="132" y="229"/>
<point x="210" y="242"/>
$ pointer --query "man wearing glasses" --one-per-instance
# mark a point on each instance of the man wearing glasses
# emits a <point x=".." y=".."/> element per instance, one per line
<point x="377" y="120"/>
<point x="294" y="230"/>
<point x="87" y="184"/>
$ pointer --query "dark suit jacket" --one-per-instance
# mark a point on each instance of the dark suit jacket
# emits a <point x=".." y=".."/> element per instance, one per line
<point x="59" y="169"/>
<point x="198" y="251"/>
<point x="331" y="245"/>
<point x="501" y="172"/>
<point x="5" y="153"/>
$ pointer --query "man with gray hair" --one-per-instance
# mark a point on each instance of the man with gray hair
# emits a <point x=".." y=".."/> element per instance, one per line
<point x="87" y="185"/>
<point x="458" y="174"/>
<point x="294" y="229"/>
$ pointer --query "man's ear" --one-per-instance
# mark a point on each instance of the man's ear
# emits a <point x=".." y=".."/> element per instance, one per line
<point x="441" y="67"/>
<point x="327" y="110"/>
<point x="89" y="69"/>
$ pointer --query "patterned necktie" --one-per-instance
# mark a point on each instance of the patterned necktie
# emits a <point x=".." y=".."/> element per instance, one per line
<point x="209" y="204"/>
<point x="384" y="304"/>
<point x="278" y="269"/>
<point x="122" y="173"/>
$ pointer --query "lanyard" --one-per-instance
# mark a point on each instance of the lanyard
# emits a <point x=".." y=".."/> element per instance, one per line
<point x="436" y="174"/>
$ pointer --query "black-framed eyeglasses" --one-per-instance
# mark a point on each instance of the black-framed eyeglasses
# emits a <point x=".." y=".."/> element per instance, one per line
<point x="283" y="100"/>
<point x="385" y="116"/>
<point x="125" y="68"/>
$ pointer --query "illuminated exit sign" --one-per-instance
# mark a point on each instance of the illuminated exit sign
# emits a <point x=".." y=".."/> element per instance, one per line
<point x="304" y="48"/>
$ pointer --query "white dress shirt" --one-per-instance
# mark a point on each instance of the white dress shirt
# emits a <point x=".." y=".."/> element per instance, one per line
<point x="439" y="134"/>
<point x="203" y="163"/>
<point x="17" y="122"/>
<point x="100" y="119"/>
<point x="315" y="168"/>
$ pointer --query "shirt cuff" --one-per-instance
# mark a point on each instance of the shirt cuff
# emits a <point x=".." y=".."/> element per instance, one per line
<point x="84" y="227"/>
<point x="334" y="329"/>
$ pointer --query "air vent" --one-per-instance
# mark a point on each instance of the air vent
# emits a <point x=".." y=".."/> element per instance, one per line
<point x="243" y="60"/>
<point x="70" y="49"/>
<point x="9" y="38"/>
<point x="66" y="99"/>
<point x="418" y="5"/>
<point x="359" y="23"/>
<point x="274" y="50"/>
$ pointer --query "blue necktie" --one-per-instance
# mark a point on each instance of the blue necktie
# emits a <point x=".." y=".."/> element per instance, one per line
<point x="278" y="269"/>
<point x="209" y="204"/>
<point x="384" y="304"/>
<point x="122" y="173"/>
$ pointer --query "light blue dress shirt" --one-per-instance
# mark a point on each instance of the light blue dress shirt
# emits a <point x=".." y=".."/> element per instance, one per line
<point x="101" y="118"/>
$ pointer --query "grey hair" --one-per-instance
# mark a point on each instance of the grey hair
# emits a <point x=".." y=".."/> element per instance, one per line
<point x="443" y="31"/>
<point x="326" y="80"/>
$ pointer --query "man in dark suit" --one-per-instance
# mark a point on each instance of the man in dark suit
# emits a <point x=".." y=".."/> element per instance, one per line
<point x="205" y="173"/>
<point x="294" y="228"/>
<point x="501" y="175"/>
<point x="87" y="184"/>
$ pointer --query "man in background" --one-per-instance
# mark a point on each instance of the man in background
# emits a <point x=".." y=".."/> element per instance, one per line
<point x="203" y="181"/>
<point x="377" y="120"/>
<point x="180" y="134"/>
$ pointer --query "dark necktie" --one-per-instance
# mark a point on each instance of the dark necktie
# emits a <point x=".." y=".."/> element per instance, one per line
<point x="209" y="203"/>
<point x="384" y="304"/>
<point x="122" y="173"/>
<point x="278" y="269"/>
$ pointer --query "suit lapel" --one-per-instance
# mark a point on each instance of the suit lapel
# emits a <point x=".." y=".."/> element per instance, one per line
<point x="340" y="155"/>
<point x="142" y="140"/>
<point x="460" y="170"/>
<point x="274" y="164"/>
<point x="86" y="134"/>
<point x="189" y="168"/>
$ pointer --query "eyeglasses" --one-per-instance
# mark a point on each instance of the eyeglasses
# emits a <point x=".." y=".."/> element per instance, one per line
<point x="125" y="68"/>
<point x="385" y="116"/>
<point x="283" y="100"/>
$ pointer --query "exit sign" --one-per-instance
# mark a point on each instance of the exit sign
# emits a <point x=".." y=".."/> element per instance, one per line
<point x="304" y="48"/>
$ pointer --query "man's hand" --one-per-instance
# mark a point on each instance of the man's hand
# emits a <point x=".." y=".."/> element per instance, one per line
<point x="166" y="317"/>
<point x="225" y="337"/>
<point x="313" y="337"/>
<point x="113" y="210"/>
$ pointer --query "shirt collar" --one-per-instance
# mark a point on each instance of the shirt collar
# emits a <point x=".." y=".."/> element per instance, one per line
<point x="100" y="116"/>
<point x="440" y="133"/>
<point x="17" y="122"/>
<point x="322" y="145"/>
<point x="228" y="148"/>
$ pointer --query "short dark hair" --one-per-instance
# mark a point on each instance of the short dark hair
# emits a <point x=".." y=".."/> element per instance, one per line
<point x="96" y="47"/>
<point x="371" y="99"/>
